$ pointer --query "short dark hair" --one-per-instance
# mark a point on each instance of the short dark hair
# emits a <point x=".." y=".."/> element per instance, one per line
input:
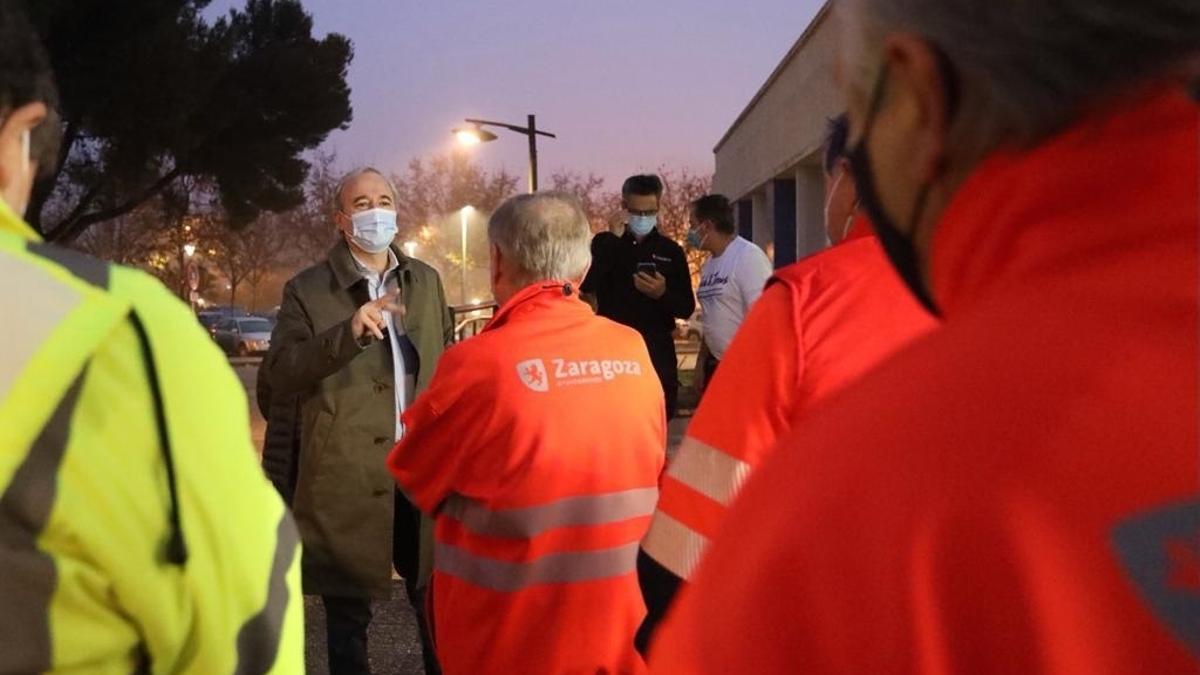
<point x="837" y="135"/>
<point x="26" y="77"/>
<point x="717" y="210"/>
<point x="642" y="184"/>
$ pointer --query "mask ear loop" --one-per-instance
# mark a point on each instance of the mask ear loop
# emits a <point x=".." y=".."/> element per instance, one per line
<point x="832" y="191"/>
<point x="849" y="222"/>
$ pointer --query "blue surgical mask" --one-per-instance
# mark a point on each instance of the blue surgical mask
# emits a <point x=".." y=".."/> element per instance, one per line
<point x="695" y="239"/>
<point x="373" y="230"/>
<point x="641" y="225"/>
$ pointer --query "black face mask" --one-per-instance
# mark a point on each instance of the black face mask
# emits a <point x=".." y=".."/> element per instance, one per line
<point x="898" y="246"/>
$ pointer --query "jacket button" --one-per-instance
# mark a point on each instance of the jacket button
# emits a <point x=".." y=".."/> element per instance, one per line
<point x="379" y="388"/>
<point x="378" y="493"/>
<point x="380" y="440"/>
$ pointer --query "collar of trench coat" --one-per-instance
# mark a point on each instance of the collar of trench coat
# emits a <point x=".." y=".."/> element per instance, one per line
<point x="346" y="273"/>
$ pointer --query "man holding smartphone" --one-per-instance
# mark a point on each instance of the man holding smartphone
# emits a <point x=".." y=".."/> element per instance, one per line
<point x="640" y="278"/>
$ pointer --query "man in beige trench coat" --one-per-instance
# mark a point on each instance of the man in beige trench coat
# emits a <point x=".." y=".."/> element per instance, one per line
<point x="358" y="337"/>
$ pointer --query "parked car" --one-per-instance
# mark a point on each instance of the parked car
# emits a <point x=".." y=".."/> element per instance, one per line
<point x="244" y="336"/>
<point x="209" y="318"/>
<point x="209" y="321"/>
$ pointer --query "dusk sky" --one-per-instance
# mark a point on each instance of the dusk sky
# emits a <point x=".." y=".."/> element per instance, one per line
<point x="627" y="85"/>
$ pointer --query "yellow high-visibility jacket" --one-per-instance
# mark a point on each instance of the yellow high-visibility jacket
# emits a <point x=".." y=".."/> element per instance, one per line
<point x="137" y="532"/>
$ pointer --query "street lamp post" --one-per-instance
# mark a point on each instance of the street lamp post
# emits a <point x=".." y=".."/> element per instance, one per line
<point x="462" y="216"/>
<point x="476" y="134"/>
<point x="190" y="273"/>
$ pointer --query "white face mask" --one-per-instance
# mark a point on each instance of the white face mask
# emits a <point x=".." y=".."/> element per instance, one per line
<point x="373" y="230"/>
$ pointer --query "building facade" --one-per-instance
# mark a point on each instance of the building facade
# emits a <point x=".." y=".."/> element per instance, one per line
<point x="769" y="162"/>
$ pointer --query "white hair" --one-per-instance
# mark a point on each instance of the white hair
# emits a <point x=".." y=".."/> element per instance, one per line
<point x="546" y="235"/>
<point x="1025" y="69"/>
<point x="341" y="185"/>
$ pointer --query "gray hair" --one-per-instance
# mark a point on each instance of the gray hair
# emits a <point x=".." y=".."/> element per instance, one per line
<point x="341" y="185"/>
<point x="546" y="235"/>
<point x="1025" y="69"/>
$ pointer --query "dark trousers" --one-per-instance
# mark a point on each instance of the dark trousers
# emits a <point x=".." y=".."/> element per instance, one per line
<point x="710" y="369"/>
<point x="662" y="356"/>
<point x="347" y="619"/>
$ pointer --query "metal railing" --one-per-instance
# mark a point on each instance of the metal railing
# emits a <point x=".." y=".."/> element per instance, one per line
<point x="470" y="319"/>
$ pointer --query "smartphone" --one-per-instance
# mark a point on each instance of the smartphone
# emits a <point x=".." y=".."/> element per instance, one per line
<point x="647" y="267"/>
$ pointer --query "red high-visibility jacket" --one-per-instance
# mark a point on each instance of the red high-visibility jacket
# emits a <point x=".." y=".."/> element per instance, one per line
<point x="821" y="323"/>
<point x="538" y="447"/>
<point x="1016" y="492"/>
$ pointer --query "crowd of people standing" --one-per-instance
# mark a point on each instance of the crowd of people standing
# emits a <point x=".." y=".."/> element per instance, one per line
<point x="961" y="439"/>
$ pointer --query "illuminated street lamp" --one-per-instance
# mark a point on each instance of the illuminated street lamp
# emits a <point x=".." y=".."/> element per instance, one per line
<point x="191" y="274"/>
<point x="474" y="134"/>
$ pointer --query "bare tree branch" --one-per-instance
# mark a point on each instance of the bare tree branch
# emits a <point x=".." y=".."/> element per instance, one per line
<point x="44" y="188"/>
<point x="76" y="223"/>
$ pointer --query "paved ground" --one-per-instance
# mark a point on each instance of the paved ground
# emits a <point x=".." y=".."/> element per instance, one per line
<point x="393" y="643"/>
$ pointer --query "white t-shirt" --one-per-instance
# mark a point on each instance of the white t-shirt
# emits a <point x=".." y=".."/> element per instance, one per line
<point x="729" y="284"/>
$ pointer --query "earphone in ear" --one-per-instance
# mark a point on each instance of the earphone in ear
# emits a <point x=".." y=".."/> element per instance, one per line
<point x="27" y="149"/>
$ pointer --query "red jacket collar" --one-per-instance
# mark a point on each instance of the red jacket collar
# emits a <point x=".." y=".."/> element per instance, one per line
<point x="1102" y="184"/>
<point x="534" y="296"/>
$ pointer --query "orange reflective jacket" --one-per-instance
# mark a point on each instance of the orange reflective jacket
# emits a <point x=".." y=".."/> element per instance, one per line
<point x="1018" y="491"/>
<point x="538" y="447"/>
<point x="821" y="323"/>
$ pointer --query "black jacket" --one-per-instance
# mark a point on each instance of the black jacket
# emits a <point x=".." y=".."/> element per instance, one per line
<point x="615" y="261"/>
<point x="281" y="446"/>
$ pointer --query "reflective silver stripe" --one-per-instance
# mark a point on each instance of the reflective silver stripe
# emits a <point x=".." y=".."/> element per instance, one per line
<point x="674" y="545"/>
<point x="709" y="471"/>
<point x="29" y="576"/>
<point x="84" y="267"/>
<point x="258" y="640"/>
<point x="531" y="521"/>
<point x="32" y="306"/>
<point x="555" y="568"/>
